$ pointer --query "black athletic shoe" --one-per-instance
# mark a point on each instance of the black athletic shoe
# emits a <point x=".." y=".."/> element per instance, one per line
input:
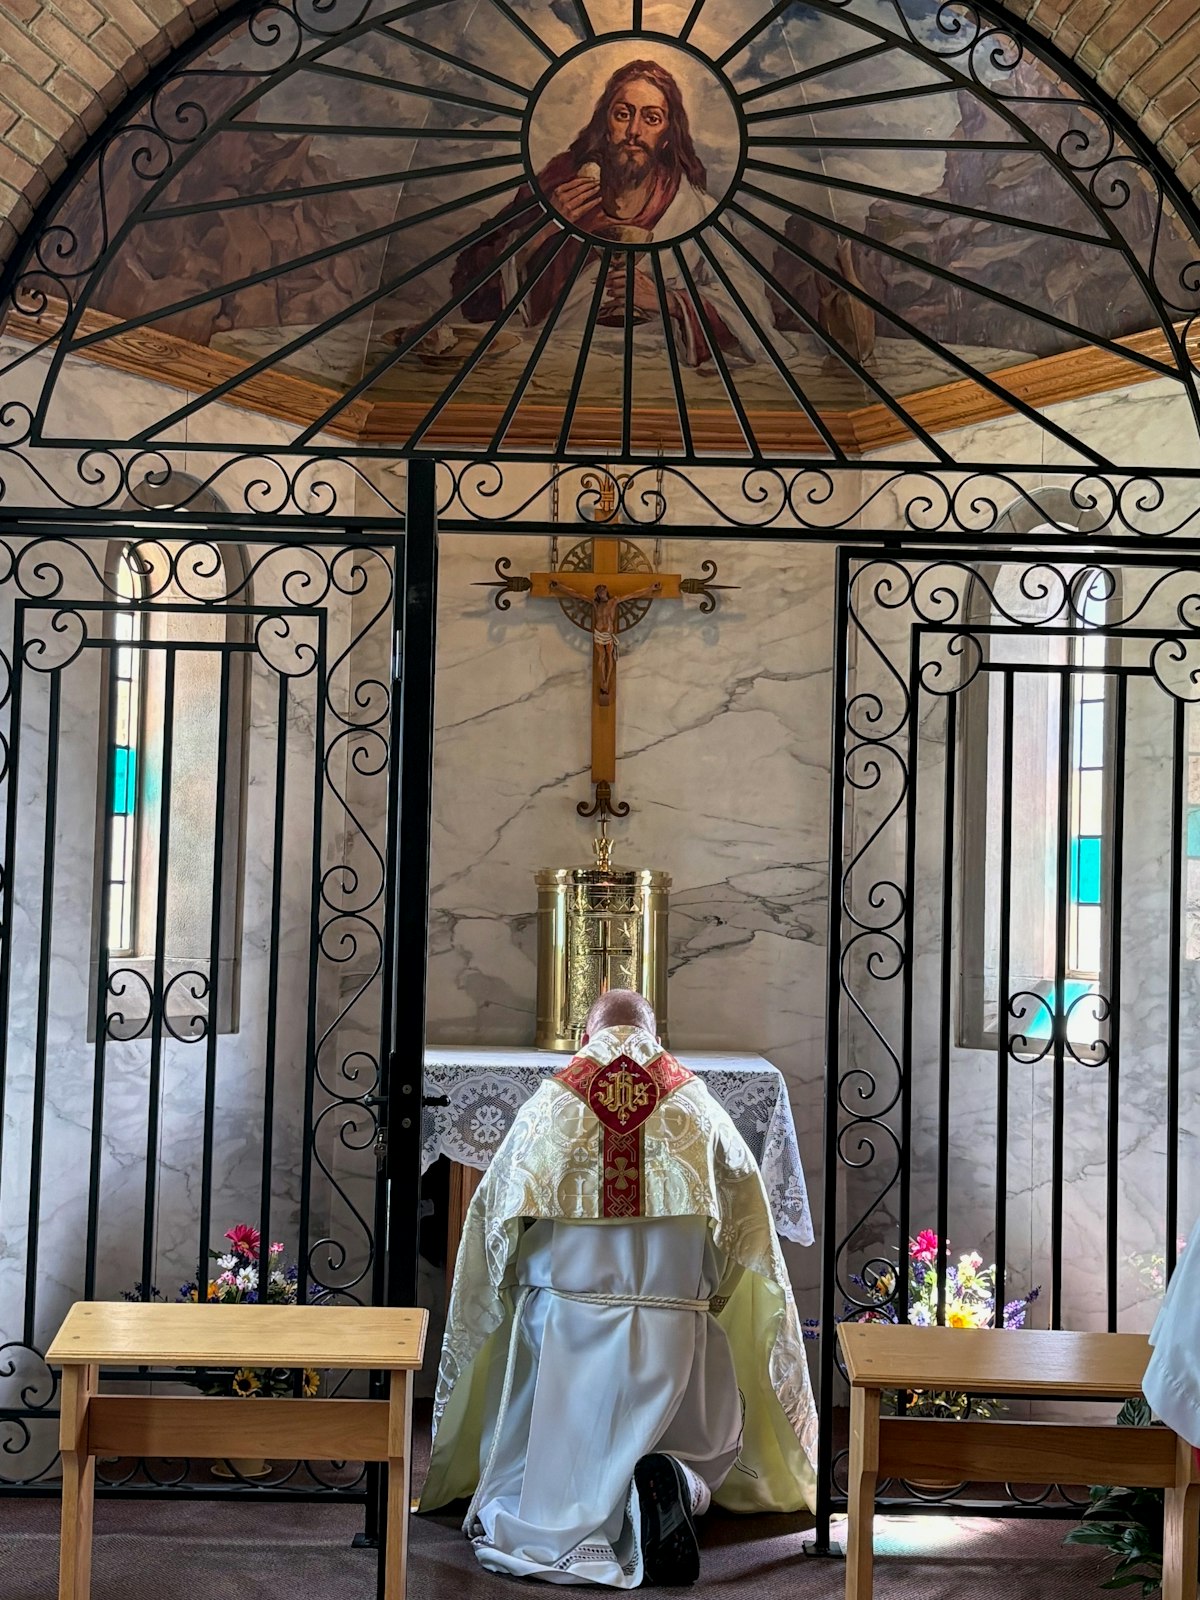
<point x="670" y="1553"/>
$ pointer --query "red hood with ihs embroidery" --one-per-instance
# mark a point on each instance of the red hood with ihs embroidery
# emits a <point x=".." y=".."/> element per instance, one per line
<point x="623" y="1076"/>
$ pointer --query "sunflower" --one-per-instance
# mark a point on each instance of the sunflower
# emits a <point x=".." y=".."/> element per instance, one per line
<point x="246" y="1382"/>
<point x="312" y="1382"/>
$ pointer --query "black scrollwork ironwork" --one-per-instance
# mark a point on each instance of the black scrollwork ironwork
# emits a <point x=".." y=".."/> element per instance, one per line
<point x="506" y="584"/>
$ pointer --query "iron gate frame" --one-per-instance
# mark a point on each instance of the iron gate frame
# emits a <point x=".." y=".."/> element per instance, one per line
<point x="893" y="900"/>
<point x="388" y="1103"/>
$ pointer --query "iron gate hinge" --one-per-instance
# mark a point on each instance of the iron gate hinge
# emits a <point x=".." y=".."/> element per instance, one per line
<point x="381" y="1148"/>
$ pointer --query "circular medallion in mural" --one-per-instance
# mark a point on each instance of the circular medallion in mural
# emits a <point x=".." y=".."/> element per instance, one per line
<point x="634" y="142"/>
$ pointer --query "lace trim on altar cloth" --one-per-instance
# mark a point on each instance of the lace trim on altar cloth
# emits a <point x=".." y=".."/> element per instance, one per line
<point x="482" y="1102"/>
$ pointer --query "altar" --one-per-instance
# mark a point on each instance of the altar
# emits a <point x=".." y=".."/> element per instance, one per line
<point x="473" y="1092"/>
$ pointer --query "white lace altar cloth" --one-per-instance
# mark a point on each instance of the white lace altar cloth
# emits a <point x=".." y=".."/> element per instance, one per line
<point x="484" y="1085"/>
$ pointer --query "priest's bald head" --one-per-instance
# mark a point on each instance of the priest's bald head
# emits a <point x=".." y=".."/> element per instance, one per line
<point x="621" y="1008"/>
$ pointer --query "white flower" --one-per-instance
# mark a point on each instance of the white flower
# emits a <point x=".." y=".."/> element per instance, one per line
<point x="247" y="1278"/>
<point x="227" y="1263"/>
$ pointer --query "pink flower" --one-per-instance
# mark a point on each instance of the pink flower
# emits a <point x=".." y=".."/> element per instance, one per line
<point x="925" y="1246"/>
<point x="244" y="1240"/>
<point x="277" y="1249"/>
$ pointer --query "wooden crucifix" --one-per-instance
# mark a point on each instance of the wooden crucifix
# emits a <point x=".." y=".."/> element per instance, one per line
<point x="602" y="597"/>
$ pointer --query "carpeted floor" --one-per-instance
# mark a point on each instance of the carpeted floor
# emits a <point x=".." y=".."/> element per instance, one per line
<point x="210" y="1550"/>
<point x="145" y="1550"/>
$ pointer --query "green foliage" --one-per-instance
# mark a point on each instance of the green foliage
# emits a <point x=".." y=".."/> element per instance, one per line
<point x="1127" y="1524"/>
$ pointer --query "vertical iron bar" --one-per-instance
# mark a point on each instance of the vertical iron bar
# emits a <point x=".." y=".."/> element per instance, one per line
<point x="158" y="999"/>
<point x="1178" y="856"/>
<point x="316" y="890"/>
<point x="391" y="846"/>
<point x="390" y="996"/>
<point x="907" y="1044"/>
<point x="271" y="1042"/>
<point x="947" y="980"/>
<point x="1058" y="1021"/>
<point x="1115" y="889"/>
<point x="829" y="1208"/>
<point x="214" y="984"/>
<point x="45" y="956"/>
<point x="1003" y="981"/>
<point x="412" y="888"/>
<point x="411" y="824"/>
<point x="100" y="1048"/>
<point x="10" y="846"/>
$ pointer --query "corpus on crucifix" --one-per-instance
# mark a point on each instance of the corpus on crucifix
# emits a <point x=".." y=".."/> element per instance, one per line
<point x="604" y="630"/>
<point x="605" y="586"/>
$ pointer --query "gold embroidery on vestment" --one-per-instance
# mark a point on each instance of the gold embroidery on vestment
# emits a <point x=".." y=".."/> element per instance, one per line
<point x="622" y="1095"/>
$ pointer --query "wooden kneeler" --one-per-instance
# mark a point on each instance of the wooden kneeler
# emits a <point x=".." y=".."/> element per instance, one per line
<point x="1025" y="1363"/>
<point x="364" y="1338"/>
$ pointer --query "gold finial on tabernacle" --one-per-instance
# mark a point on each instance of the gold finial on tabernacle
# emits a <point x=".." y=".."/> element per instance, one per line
<point x="603" y="846"/>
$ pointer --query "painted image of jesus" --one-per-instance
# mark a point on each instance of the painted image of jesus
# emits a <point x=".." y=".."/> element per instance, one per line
<point x="632" y="175"/>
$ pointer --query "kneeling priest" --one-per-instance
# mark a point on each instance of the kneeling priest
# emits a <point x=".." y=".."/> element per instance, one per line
<point x="621" y="1344"/>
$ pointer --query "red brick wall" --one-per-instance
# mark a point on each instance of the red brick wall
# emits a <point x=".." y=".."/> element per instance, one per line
<point x="65" y="63"/>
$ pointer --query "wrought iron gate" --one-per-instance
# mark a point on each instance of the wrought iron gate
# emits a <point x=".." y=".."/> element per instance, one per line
<point x="1014" y="975"/>
<point x="200" y="737"/>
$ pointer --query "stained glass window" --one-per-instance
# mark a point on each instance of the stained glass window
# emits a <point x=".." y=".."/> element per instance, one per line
<point x="124" y="753"/>
<point x="1192" y="918"/>
<point x="1086" y="845"/>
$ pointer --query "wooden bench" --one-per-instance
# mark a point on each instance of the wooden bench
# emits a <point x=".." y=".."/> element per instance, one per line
<point x="106" y="1333"/>
<point x="1029" y="1364"/>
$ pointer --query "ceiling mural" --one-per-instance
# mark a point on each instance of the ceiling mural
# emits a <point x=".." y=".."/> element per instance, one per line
<point x="726" y="228"/>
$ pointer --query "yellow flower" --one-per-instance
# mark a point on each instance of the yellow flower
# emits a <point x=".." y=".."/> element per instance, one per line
<point x="246" y="1382"/>
<point x="312" y="1381"/>
<point x="956" y="1317"/>
<point x="213" y="1291"/>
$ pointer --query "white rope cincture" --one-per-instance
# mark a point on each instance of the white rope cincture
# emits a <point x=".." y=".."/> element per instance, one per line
<point x="651" y="1302"/>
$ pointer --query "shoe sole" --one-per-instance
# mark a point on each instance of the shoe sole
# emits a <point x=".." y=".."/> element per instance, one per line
<point x="670" y="1552"/>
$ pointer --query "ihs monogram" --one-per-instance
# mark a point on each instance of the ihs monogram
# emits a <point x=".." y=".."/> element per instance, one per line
<point x="623" y="1094"/>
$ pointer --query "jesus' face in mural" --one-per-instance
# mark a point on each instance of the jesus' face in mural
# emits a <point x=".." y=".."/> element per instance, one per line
<point x="629" y="181"/>
<point x="631" y="156"/>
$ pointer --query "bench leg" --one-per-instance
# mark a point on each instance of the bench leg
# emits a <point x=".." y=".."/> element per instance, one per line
<point x="399" y="1486"/>
<point x="864" y="1471"/>
<point x="1181" y="1530"/>
<point x="79" y="1384"/>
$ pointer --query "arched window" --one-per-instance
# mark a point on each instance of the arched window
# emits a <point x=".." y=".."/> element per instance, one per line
<point x="125" y="752"/>
<point x="1039" y="928"/>
<point x="176" y="741"/>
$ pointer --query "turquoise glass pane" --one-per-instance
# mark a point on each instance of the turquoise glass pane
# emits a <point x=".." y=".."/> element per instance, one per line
<point x="1193" y="819"/>
<point x="1085" y="872"/>
<point x="1082" y="1028"/>
<point x="124" y="781"/>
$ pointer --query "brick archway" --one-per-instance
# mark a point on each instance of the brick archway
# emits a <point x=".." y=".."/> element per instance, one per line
<point x="65" y="64"/>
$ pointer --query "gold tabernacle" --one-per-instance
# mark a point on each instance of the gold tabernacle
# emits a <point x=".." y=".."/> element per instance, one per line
<point x="599" y="927"/>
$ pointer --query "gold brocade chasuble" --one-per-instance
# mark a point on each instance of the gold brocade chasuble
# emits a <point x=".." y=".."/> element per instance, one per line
<point x="623" y="1132"/>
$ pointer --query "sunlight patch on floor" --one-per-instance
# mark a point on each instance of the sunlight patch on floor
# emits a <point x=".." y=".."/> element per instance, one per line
<point x="923" y="1536"/>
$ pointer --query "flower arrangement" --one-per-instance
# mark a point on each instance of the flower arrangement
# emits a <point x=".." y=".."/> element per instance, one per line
<point x="237" y="1283"/>
<point x="969" y="1290"/>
